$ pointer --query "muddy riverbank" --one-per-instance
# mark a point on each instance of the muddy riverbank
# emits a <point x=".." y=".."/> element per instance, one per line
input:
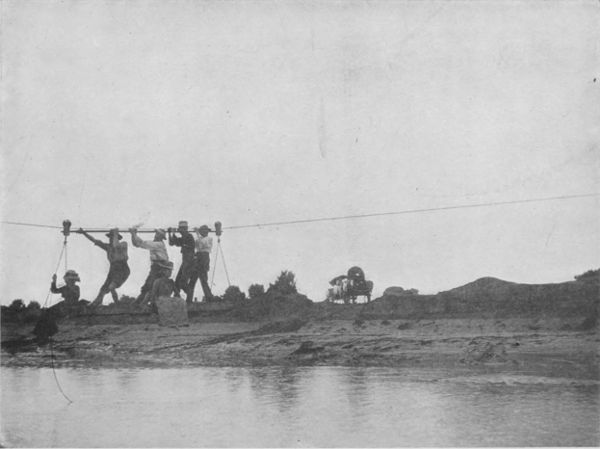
<point x="488" y="324"/>
<point x="521" y="345"/>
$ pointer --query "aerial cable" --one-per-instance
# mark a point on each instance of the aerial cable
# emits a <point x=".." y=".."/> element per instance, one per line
<point x="413" y="211"/>
<point x="348" y="217"/>
<point x="31" y="224"/>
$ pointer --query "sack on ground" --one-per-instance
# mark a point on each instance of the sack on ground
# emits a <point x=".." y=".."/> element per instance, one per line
<point x="172" y="311"/>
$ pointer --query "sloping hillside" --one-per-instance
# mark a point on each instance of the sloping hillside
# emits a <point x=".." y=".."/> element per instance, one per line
<point x="490" y="297"/>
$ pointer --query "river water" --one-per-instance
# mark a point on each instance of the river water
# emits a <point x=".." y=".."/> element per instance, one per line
<point x="282" y="407"/>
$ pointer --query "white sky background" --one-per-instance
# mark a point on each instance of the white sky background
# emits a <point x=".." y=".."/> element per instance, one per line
<point x="252" y="112"/>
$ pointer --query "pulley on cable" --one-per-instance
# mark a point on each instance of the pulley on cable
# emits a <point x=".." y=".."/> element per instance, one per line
<point x="66" y="231"/>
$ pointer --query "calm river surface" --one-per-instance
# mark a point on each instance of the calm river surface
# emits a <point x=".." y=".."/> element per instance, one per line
<point x="317" y="406"/>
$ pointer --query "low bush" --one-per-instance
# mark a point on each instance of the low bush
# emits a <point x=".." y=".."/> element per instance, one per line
<point x="256" y="291"/>
<point x="233" y="293"/>
<point x="285" y="284"/>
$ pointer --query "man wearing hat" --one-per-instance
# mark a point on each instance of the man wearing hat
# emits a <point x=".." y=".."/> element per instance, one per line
<point x="116" y="252"/>
<point x="202" y="262"/>
<point x="69" y="291"/>
<point x="187" y="244"/>
<point x="158" y="253"/>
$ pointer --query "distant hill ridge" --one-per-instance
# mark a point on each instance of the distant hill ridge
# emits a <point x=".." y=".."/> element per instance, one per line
<point x="484" y="283"/>
<point x="492" y="297"/>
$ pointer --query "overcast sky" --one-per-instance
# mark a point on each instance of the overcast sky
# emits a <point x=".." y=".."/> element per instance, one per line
<point x="116" y="113"/>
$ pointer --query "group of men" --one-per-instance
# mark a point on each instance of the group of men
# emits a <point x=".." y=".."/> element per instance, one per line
<point x="195" y="265"/>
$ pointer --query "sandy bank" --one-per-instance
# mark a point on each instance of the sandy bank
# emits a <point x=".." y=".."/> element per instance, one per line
<point x="551" y="347"/>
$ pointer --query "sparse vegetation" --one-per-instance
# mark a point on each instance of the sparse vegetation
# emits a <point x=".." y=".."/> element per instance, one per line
<point x="17" y="311"/>
<point x="589" y="275"/>
<point x="233" y="293"/>
<point x="17" y="305"/>
<point x="125" y="299"/>
<point x="285" y="284"/>
<point x="256" y="291"/>
<point x="31" y="314"/>
<point x="33" y="305"/>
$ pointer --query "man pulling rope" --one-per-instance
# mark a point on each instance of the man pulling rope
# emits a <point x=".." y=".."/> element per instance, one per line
<point x="116" y="252"/>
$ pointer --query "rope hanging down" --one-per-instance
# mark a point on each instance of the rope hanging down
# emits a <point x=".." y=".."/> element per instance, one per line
<point x="219" y="250"/>
<point x="63" y="251"/>
<point x="212" y="279"/>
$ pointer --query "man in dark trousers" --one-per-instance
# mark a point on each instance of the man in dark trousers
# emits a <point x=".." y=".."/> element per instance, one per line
<point x="186" y="270"/>
<point x="116" y="252"/>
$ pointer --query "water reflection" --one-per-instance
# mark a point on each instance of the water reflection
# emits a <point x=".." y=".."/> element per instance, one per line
<point x="291" y="407"/>
<point x="126" y="378"/>
<point x="357" y="387"/>
<point x="277" y="386"/>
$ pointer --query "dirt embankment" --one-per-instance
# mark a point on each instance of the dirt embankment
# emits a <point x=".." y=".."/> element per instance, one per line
<point x="488" y="324"/>
<point x="547" y="347"/>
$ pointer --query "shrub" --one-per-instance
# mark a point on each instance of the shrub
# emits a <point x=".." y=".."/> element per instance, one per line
<point x="32" y="315"/>
<point x="125" y="299"/>
<point x="256" y="291"/>
<point x="285" y="284"/>
<point x="233" y="293"/>
<point x="33" y="305"/>
<point x="17" y="305"/>
<point x="588" y="275"/>
<point x="32" y="312"/>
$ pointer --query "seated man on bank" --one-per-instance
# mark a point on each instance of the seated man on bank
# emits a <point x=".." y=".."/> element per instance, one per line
<point x="163" y="286"/>
<point x="69" y="291"/>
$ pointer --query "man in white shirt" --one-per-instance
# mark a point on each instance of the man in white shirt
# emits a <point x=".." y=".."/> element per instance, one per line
<point x="201" y="262"/>
<point x="158" y="256"/>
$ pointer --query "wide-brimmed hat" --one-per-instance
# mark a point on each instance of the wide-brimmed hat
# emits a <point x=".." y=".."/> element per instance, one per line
<point x="114" y="231"/>
<point x="204" y="228"/>
<point x="161" y="233"/>
<point x="71" y="274"/>
<point x="166" y="264"/>
<point x="183" y="224"/>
